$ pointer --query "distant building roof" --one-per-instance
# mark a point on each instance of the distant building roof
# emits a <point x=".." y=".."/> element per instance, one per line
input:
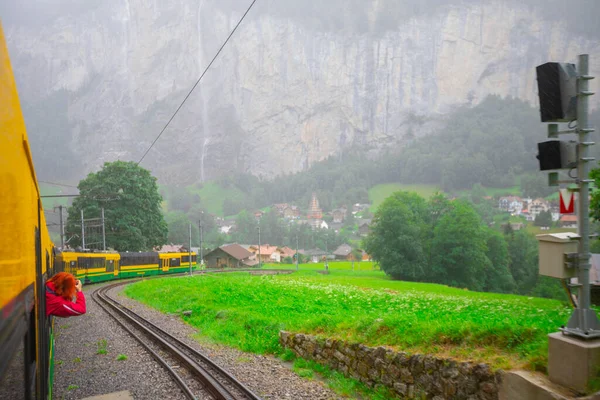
<point x="568" y="218"/>
<point x="236" y="251"/>
<point x="265" y="250"/>
<point x="343" y="250"/>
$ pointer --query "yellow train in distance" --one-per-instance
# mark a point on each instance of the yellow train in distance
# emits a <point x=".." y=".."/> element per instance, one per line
<point x="92" y="267"/>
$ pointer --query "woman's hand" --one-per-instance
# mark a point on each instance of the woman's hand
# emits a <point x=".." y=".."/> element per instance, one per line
<point x="78" y="285"/>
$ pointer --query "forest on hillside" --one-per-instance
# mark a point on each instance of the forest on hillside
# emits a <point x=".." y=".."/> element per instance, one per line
<point x="493" y="144"/>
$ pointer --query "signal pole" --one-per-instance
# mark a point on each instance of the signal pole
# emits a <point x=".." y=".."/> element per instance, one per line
<point x="573" y="353"/>
<point x="583" y="322"/>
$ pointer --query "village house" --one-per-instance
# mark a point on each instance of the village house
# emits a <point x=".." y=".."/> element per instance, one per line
<point x="537" y="206"/>
<point x="279" y="208"/>
<point x="338" y="215"/>
<point x="267" y="253"/>
<point x="229" y="256"/>
<point x="363" y="227"/>
<point x="344" y="252"/>
<point x="568" y="221"/>
<point x="291" y="212"/>
<point x="258" y="214"/>
<point x="511" y="204"/>
<point x="287" y="252"/>
<point x="316" y="255"/>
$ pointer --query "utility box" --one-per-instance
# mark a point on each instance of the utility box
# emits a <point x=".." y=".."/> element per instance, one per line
<point x="554" y="248"/>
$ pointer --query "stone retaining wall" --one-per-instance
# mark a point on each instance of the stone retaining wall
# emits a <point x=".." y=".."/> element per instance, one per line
<point x="410" y="376"/>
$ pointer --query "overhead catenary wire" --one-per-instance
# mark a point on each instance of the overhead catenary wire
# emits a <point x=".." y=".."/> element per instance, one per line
<point x="57" y="184"/>
<point x="198" y="81"/>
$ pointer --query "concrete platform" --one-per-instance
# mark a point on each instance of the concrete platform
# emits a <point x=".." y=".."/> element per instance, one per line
<point x="572" y="362"/>
<point x="124" y="395"/>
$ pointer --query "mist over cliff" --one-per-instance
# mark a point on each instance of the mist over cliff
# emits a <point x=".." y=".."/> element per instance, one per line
<point x="298" y="82"/>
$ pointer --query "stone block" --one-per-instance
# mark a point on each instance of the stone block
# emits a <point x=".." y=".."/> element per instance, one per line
<point x="572" y="362"/>
<point x="527" y="385"/>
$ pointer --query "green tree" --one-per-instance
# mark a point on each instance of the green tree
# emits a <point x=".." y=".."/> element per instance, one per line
<point x="179" y="228"/>
<point x="535" y="184"/>
<point x="397" y="234"/>
<point x="459" y="248"/>
<point x="544" y="218"/>
<point x="497" y="276"/>
<point x="132" y="207"/>
<point x="523" y="266"/>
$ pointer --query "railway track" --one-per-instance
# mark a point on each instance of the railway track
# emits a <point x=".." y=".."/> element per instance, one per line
<point x="195" y="373"/>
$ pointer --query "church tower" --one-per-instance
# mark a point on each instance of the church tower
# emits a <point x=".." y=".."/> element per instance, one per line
<point x="315" y="214"/>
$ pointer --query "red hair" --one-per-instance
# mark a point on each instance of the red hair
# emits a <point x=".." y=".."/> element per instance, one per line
<point x="64" y="285"/>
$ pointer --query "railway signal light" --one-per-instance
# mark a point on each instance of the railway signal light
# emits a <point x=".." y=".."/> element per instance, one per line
<point x="556" y="154"/>
<point x="557" y="90"/>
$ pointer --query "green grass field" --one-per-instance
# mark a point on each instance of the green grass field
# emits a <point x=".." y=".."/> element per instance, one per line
<point x="248" y="312"/>
<point x="378" y="193"/>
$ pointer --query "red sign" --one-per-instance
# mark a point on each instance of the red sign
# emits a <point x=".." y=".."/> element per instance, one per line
<point x="567" y="201"/>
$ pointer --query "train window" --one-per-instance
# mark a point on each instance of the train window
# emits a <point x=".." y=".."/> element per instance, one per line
<point x="194" y="258"/>
<point x="175" y="262"/>
<point x="110" y="265"/>
<point x="97" y="262"/>
<point x="73" y="266"/>
<point x="83" y="263"/>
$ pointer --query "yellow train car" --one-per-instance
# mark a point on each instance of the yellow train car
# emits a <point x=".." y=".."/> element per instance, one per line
<point x="89" y="267"/>
<point x="26" y="255"/>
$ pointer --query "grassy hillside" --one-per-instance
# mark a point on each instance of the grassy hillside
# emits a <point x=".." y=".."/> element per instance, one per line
<point x="212" y="195"/>
<point x="363" y="306"/>
<point x="378" y="193"/>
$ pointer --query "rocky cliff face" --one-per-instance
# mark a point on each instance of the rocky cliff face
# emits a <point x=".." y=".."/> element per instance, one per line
<point x="281" y="95"/>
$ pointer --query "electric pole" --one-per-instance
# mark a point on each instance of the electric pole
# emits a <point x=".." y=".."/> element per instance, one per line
<point x="259" y="260"/>
<point x="62" y="227"/>
<point x="297" y="255"/>
<point x="103" y="232"/>
<point x="190" y="250"/>
<point x="82" y="232"/>
<point x="201" y="253"/>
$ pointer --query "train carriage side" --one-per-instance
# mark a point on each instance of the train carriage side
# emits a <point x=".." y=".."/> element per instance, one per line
<point x="172" y="263"/>
<point x="136" y="265"/>
<point x="90" y="267"/>
<point x="25" y="255"/>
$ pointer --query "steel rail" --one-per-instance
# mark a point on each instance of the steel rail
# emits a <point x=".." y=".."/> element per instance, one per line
<point x="155" y="355"/>
<point x="169" y="342"/>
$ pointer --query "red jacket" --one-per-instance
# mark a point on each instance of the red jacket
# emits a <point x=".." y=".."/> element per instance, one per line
<point x="58" y="306"/>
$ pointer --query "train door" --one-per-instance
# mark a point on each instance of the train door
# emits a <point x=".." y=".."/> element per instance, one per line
<point x="83" y="264"/>
<point x="165" y="264"/>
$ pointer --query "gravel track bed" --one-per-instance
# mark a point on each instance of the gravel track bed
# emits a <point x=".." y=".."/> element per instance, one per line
<point x="81" y="372"/>
<point x="267" y="376"/>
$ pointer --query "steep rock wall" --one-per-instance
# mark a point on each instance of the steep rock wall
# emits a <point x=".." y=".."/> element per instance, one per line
<point x="282" y="95"/>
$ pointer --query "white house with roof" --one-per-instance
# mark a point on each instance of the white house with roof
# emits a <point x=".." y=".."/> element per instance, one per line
<point x="511" y="204"/>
